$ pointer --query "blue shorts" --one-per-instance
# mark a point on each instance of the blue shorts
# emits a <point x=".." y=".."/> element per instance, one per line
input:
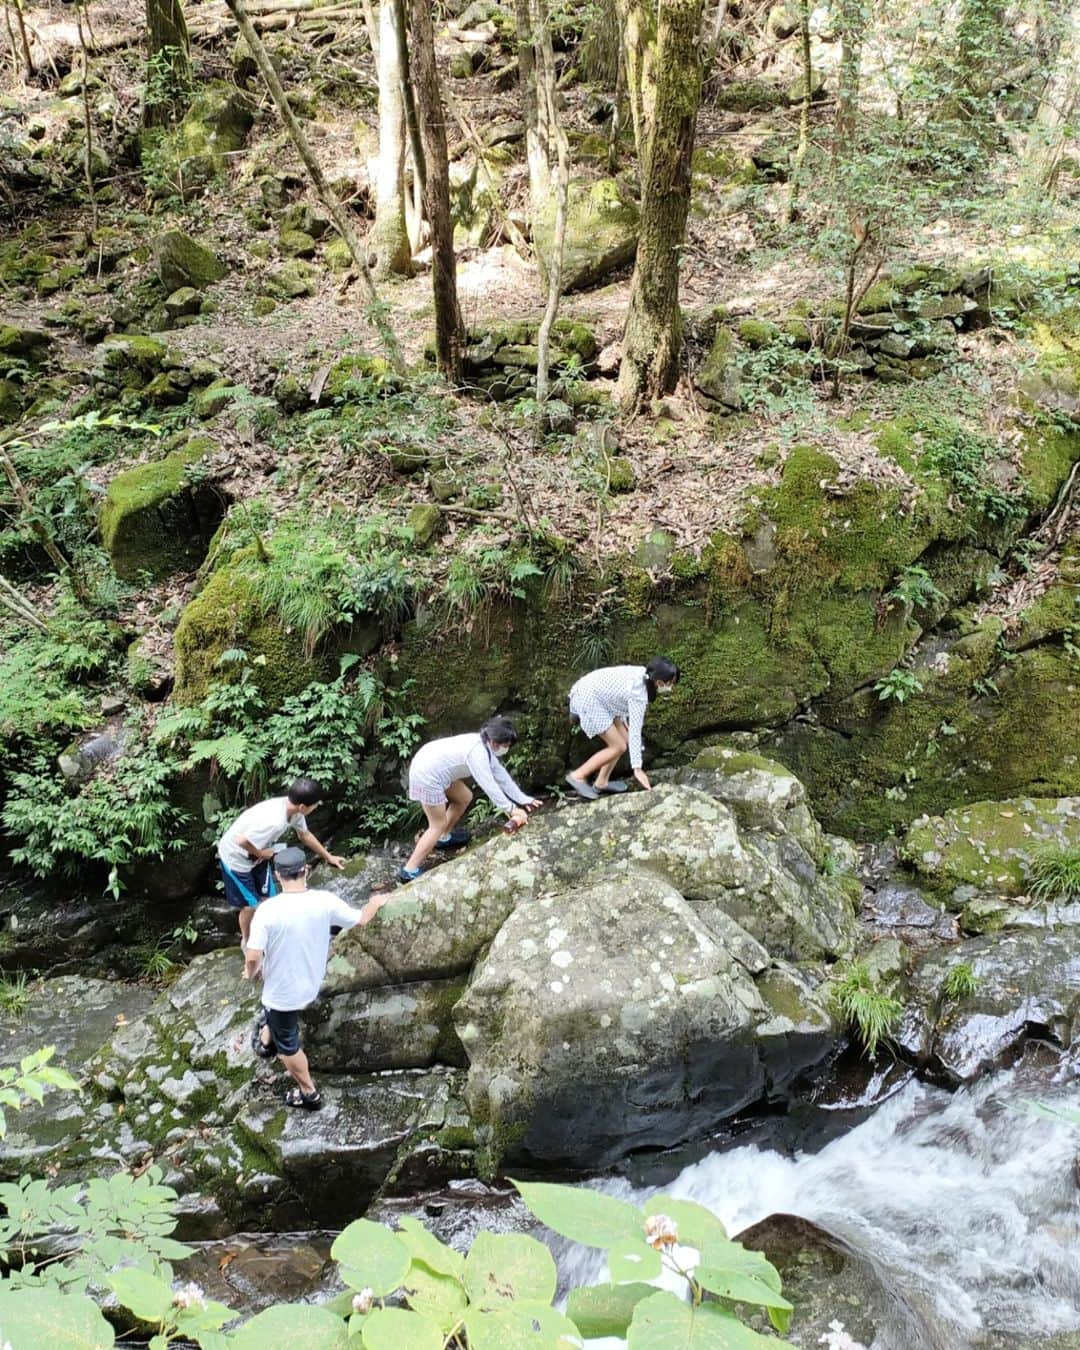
<point x="284" y="1030"/>
<point x="248" y="888"/>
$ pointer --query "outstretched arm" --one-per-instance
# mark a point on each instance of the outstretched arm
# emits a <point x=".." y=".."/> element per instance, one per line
<point x="310" y="842"/>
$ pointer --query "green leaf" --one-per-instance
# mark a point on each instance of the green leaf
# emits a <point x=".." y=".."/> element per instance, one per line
<point x="581" y="1214"/>
<point x="371" y="1257"/>
<point x="426" y="1247"/>
<point x="605" y="1309"/>
<point x="143" y="1294"/>
<point x="45" y="1319"/>
<point x="504" y="1266"/>
<point x="439" y="1297"/>
<point x="517" y="1326"/>
<point x="634" y="1260"/>
<point x="297" y="1326"/>
<point x="399" y="1329"/>
<point x="667" y="1321"/>
<point x="734" y="1259"/>
<point x="740" y="1288"/>
<point x="195" y="1320"/>
<point x="697" y="1225"/>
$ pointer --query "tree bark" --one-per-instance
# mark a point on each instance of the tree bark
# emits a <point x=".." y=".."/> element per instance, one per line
<point x="652" y="340"/>
<point x="389" y="235"/>
<point x="169" y="63"/>
<point x="852" y="23"/>
<point x="337" y="213"/>
<point x="639" y="47"/>
<point x="561" y="185"/>
<point x="537" y="140"/>
<point x="449" y="329"/>
<point x="803" y="145"/>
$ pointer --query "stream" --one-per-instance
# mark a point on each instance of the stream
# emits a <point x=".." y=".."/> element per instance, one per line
<point x="965" y="1205"/>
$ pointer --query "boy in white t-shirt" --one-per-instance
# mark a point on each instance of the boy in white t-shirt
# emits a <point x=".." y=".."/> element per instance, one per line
<point x="288" y="946"/>
<point x="246" y="848"/>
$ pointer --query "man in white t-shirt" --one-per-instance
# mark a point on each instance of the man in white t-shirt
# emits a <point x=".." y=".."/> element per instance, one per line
<point x="288" y="945"/>
<point x="246" y="847"/>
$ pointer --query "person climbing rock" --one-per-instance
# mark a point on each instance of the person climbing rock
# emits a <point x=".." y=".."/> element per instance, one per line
<point x="288" y="946"/>
<point x="437" y="781"/>
<point x="246" y="849"/>
<point x="611" y="703"/>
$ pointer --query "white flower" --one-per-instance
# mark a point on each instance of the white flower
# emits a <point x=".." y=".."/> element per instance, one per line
<point x="660" y="1231"/>
<point x="836" y="1338"/>
<point x="362" y="1301"/>
<point x="189" y="1296"/>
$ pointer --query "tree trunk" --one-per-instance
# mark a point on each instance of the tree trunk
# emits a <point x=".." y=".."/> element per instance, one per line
<point x="449" y="329"/>
<point x="804" y="115"/>
<point x="852" y="23"/>
<point x="652" y="340"/>
<point x="1045" y="143"/>
<point x="168" y="76"/>
<point x="24" y="42"/>
<point x="389" y="235"/>
<point x="338" y="214"/>
<point x="537" y="132"/>
<point x="561" y="185"/>
<point x="639" y="48"/>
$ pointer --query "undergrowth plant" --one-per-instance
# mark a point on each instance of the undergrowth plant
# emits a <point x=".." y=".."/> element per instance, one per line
<point x="915" y="587"/>
<point x="14" y="993"/>
<point x="863" y="1007"/>
<point x="899" y="685"/>
<point x="960" y="982"/>
<point x="1054" y="873"/>
<point x="23" y="1083"/>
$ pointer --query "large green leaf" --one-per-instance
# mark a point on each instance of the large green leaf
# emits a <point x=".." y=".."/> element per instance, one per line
<point x="503" y="1266"/>
<point x="399" y="1329"/>
<point x="697" y="1225"/>
<point x="740" y="1288"/>
<point x="439" y="1297"/>
<point x="293" y="1327"/>
<point x="371" y="1257"/>
<point x="521" y="1326"/>
<point x="734" y="1258"/>
<point x="581" y="1214"/>
<point x="141" y="1293"/>
<point x="605" y="1309"/>
<point x="667" y="1321"/>
<point x="634" y="1260"/>
<point x="44" y="1319"/>
<point x="426" y="1247"/>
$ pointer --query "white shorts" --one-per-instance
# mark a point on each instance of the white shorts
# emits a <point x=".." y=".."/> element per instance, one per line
<point x="593" y="717"/>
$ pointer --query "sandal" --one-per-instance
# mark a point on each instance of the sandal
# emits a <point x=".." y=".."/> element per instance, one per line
<point x="614" y="787"/>
<point x="261" y="1050"/>
<point x="309" y="1101"/>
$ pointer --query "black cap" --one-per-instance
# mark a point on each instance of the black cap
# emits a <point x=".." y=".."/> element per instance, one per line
<point x="290" y="862"/>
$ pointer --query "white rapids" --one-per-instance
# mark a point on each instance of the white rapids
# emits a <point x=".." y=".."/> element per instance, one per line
<point x="966" y="1204"/>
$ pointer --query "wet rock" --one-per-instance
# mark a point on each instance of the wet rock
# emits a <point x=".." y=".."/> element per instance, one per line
<point x="902" y="908"/>
<point x="396" y="1027"/>
<point x="1026" y="990"/>
<point x="250" y="1272"/>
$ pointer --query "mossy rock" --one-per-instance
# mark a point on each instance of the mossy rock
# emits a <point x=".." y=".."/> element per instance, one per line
<point x="750" y="96"/>
<point x="182" y="261"/>
<point x="31" y="343"/>
<point x="356" y="376"/>
<point x="757" y="333"/>
<point x="155" y="520"/>
<point x="226" y="613"/>
<point x="337" y="255"/>
<point x="293" y="280"/>
<point x="602" y="224"/>
<point x="990" y="845"/>
<point x="297" y="244"/>
<point x="214" y="128"/>
<point x="720" y="377"/>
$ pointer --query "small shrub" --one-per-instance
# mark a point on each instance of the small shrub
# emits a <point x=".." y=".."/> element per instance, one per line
<point x="14" y="993"/>
<point x="899" y="685"/>
<point x="863" y="1007"/>
<point x="1054" y="873"/>
<point x="960" y="982"/>
<point x="915" y="587"/>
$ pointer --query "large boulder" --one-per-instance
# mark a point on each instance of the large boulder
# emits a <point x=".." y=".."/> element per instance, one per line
<point x="189" y="155"/>
<point x="182" y="261"/>
<point x="1025" y="988"/>
<point x="602" y="224"/>
<point x="159" y="517"/>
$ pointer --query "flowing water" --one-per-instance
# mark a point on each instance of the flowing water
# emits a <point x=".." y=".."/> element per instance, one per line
<point x="965" y="1205"/>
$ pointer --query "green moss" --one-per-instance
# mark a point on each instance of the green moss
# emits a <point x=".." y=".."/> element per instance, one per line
<point x="359" y="375"/>
<point x="153" y="522"/>
<point x="757" y="333"/>
<point x="226" y="614"/>
<point x="1047" y="455"/>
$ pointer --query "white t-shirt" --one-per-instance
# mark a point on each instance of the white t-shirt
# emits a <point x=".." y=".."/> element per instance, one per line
<point x="292" y="930"/>
<point x="262" y="825"/>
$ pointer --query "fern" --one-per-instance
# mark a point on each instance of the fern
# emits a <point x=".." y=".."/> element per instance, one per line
<point x="863" y="1007"/>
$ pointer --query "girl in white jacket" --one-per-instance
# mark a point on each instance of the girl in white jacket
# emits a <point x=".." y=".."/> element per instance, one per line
<point x="437" y="781"/>
<point x="611" y="704"/>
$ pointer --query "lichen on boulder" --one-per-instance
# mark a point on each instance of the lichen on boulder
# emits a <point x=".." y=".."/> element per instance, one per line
<point x="602" y="225"/>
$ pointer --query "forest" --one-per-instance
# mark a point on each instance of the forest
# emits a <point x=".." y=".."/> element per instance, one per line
<point x="373" y="368"/>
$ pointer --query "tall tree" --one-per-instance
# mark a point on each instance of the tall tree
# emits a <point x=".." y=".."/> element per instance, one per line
<point x="652" y="338"/>
<point x="389" y="235"/>
<point x="638" y="22"/>
<point x="852" y="19"/>
<point x="560" y="182"/>
<point x="533" y="106"/>
<point x="431" y="116"/>
<point x="168" y="79"/>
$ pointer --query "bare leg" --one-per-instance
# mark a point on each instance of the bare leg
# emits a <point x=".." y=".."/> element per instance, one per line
<point x="608" y="757"/>
<point x="245" y="916"/>
<point x="602" y="778"/>
<point x="436" y="827"/>
<point x="460" y="799"/>
<point x="297" y="1067"/>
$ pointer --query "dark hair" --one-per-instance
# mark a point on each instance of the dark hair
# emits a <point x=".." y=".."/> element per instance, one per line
<point x="660" y="668"/>
<point x="290" y="863"/>
<point x="305" y="792"/>
<point x="499" y="731"/>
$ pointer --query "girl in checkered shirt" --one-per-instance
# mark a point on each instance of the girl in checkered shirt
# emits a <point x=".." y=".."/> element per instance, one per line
<point x="611" y="704"/>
